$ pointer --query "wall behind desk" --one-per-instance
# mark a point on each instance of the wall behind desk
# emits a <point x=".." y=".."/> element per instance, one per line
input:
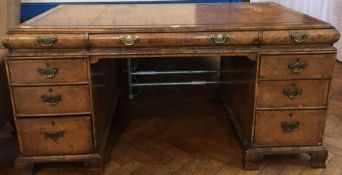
<point x="9" y="17"/>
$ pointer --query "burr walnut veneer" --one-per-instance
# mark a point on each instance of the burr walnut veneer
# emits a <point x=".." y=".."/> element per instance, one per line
<point x="280" y="64"/>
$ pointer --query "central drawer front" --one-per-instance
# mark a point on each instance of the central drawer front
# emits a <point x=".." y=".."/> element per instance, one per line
<point x="172" y="39"/>
<point x="48" y="70"/>
<point x="51" y="99"/>
<point x="301" y="93"/>
<point x="275" y="67"/>
<point x="304" y="127"/>
<point x="55" y="136"/>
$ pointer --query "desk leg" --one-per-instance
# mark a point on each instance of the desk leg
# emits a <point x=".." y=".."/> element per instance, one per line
<point x="318" y="159"/>
<point x="253" y="156"/>
<point x="23" y="167"/>
<point x="251" y="161"/>
<point x="95" y="166"/>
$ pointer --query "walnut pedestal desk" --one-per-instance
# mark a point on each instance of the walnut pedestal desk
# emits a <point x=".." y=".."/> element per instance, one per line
<point x="275" y="91"/>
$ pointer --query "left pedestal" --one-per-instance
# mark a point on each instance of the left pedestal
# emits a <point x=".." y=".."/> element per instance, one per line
<point x="60" y="111"/>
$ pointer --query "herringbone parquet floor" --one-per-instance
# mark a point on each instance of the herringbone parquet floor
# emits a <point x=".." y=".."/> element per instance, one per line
<point x="188" y="134"/>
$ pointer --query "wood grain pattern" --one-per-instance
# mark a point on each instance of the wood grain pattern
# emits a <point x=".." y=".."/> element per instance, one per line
<point x="268" y="129"/>
<point x="312" y="37"/>
<point x="162" y="133"/>
<point x="314" y="93"/>
<point x="74" y="99"/>
<point x="173" y="39"/>
<point x="275" y="67"/>
<point x="20" y="41"/>
<point x="27" y="71"/>
<point x="240" y="91"/>
<point x="179" y="30"/>
<point x="76" y="138"/>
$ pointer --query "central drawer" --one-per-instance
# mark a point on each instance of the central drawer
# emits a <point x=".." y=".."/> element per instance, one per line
<point x="51" y="100"/>
<point x="55" y="136"/>
<point x="172" y="39"/>
<point x="301" y="93"/>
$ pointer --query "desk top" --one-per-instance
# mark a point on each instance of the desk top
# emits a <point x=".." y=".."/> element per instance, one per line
<point x="170" y="17"/>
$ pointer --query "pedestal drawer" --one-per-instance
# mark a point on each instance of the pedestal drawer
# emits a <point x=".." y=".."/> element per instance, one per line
<point x="51" y="100"/>
<point x="303" y="127"/>
<point x="275" y="67"/>
<point x="301" y="93"/>
<point x="48" y="70"/>
<point x="55" y="136"/>
<point x="173" y="39"/>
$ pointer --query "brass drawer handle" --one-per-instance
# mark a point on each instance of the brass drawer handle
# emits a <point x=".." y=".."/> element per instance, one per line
<point x="54" y="135"/>
<point x="291" y="93"/>
<point x="52" y="100"/>
<point x="46" y="42"/>
<point x="298" y="37"/>
<point x="220" y="38"/>
<point x="297" y="67"/>
<point x="289" y="126"/>
<point x="129" y="40"/>
<point x="48" y="72"/>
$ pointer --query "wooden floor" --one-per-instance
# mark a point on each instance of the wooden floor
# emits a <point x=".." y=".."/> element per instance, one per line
<point x="182" y="131"/>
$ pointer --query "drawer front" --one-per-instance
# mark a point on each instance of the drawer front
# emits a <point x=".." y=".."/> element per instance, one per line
<point x="300" y="37"/>
<point x="51" y="99"/>
<point x="305" y="93"/>
<point x="22" y="41"/>
<point x="296" y="66"/>
<point x="173" y="39"/>
<point x="282" y="128"/>
<point x="55" y="136"/>
<point x="48" y="71"/>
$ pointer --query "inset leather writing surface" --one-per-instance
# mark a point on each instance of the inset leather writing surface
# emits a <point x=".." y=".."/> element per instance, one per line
<point x="173" y="17"/>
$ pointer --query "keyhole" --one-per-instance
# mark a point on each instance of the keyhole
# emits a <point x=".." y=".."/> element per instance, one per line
<point x="53" y="123"/>
<point x="47" y="65"/>
<point x="293" y="84"/>
<point x="50" y="90"/>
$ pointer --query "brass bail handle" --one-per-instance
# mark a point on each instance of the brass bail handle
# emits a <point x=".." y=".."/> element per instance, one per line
<point x="48" y="72"/>
<point x="289" y="126"/>
<point x="54" y="135"/>
<point x="47" y="41"/>
<point x="220" y="38"/>
<point x="297" y="67"/>
<point x="298" y="37"/>
<point x="129" y="40"/>
<point x="291" y="93"/>
<point x="51" y="100"/>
